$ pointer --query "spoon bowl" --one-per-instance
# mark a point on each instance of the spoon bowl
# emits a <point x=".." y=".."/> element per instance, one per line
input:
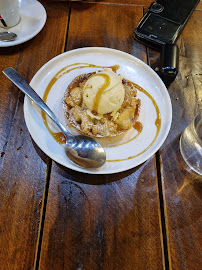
<point x="80" y="149"/>
<point x="7" y="36"/>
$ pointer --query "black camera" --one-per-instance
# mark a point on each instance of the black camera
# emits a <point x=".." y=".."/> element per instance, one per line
<point x="160" y="28"/>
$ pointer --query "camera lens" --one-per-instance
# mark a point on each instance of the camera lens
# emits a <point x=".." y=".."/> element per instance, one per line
<point x="156" y="8"/>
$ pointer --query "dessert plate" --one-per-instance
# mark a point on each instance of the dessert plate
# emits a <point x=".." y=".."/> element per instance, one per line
<point x="33" y="18"/>
<point x="129" y="151"/>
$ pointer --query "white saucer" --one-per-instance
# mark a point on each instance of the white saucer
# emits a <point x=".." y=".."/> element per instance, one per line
<point x="33" y="18"/>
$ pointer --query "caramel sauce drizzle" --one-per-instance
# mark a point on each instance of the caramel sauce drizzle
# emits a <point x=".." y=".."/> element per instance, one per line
<point x="158" y="119"/>
<point x="138" y="126"/>
<point x="100" y="90"/>
<point x="59" y="136"/>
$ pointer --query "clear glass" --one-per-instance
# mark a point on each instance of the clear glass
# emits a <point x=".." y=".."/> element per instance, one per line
<point x="191" y="144"/>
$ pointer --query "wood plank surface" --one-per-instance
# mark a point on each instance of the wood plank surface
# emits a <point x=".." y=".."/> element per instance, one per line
<point x="121" y="2"/>
<point x="23" y="165"/>
<point x="182" y="187"/>
<point x="103" y="221"/>
<point x="98" y="221"/>
<point x="124" y="2"/>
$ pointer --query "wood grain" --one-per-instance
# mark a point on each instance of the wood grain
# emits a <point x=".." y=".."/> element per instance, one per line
<point x="23" y="165"/>
<point x="98" y="221"/>
<point x="119" y="2"/>
<point x="107" y="222"/>
<point x="8" y="102"/>
<point x="143" y="3"/>
<point x="100" y="30"/>
<point x="103" y="221"/>
<point x="182" y="187"/>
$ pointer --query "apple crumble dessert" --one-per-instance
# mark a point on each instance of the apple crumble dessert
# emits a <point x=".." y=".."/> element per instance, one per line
<point x="101" y="104"/>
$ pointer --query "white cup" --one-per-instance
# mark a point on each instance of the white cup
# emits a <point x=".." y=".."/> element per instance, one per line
<point x="9" y="13"/>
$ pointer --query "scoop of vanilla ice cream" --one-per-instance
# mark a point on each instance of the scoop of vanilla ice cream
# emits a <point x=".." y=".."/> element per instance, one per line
<point x="110" y="89"/>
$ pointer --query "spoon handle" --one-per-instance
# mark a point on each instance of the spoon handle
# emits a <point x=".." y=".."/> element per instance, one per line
<point x="29" y="91"/>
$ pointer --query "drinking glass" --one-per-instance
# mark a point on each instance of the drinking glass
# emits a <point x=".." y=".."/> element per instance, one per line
<point x="9" y="13"/>
<point x="191" y="144"/>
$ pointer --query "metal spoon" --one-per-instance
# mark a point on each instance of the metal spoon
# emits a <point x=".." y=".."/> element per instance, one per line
<point x="7" y="36"/>
<point x="82" y="150"/>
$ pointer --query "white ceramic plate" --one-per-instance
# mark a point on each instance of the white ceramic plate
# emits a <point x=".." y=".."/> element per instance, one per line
<point x="33" y="18"/>
<point x="131" y="68"/>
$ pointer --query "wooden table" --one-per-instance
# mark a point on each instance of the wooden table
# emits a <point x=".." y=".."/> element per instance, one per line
<point x="52" y="217"/>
